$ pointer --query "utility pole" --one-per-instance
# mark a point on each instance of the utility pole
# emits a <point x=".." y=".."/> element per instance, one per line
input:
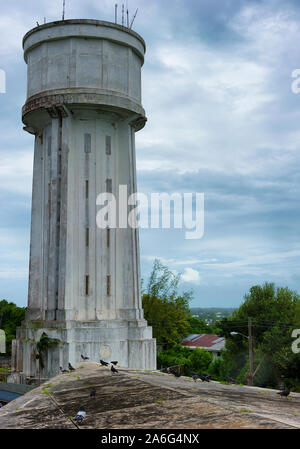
<point x="250" y="340"/>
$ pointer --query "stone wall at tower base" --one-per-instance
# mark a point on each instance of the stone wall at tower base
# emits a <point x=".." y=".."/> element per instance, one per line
<point x="128" y="342"/>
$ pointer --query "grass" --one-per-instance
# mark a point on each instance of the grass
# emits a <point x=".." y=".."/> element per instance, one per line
<point x="45" y="391"/>
<point x="245" y="410"/>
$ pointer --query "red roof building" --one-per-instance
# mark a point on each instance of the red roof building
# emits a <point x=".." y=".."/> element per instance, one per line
<point x="211" y="342"/>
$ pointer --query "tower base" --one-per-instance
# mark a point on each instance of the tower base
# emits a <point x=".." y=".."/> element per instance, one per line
<point x="128" y="342"/>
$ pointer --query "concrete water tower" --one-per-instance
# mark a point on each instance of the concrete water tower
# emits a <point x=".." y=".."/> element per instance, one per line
<point x="83" y="107"/>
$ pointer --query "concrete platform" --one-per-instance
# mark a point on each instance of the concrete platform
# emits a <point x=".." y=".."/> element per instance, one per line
<point x="135" y="399"/>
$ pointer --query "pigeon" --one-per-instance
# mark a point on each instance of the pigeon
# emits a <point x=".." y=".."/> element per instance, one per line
<point x="195" y="377"/>
<point x="104" y="363"/>
<point x="84" y="358"/>
<point x="230" y="380"/>
<point x="174" y="372"/>
<point x="203" y="378"/>
<point x="114" y="362"/>
<point x="80" y="415"/>
<point x="63" y="370"/>
<point x="113" y="369"/>
<point x="93" y="393"/>
<point x="284" y="393"/>
<point x="71" y="367"/>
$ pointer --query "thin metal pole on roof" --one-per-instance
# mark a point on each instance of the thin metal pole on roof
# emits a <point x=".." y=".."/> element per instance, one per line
<point x="116" y="13"/>
<point x="64" y="9"/>
<point x="133" y="18"/>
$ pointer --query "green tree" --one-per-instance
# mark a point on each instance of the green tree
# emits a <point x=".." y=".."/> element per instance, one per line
<point x="165" y="309"/>
<point x="275" y="313"/>
<point x="11" y="316"/>
<point x="197" y="360"/>
<point x="200" y="359"/>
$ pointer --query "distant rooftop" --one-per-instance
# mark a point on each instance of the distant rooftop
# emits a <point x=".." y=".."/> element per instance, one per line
<point x="211" y="342"/>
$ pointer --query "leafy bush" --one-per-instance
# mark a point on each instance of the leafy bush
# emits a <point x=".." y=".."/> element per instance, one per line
<point x="11" y="317"/>
<point x="197" y="360"/>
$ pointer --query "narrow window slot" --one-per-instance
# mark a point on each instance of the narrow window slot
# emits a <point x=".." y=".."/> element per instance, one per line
<point x="87" y="285"/>
<point x="108" y="285"/>
<point x="59" y="164"/>
<point x="87" y="143"/>
<point x="108" y="237"/>
<point x="108" y="145"/>
<point x="108" y="185"/>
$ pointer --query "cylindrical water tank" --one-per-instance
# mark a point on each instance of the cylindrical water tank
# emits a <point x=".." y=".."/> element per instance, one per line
<point x="86" y="62"/>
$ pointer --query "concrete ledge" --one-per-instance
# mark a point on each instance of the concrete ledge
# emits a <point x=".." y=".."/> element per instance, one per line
<point x="83" y="97"/>
<point x="133" y="399"/>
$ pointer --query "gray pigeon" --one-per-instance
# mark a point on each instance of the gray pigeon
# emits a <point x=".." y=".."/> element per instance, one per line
<point x="80" y="415"/>
<point x="284" y="393"/>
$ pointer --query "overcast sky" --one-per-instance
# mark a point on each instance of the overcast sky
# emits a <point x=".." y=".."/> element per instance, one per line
<point x="222" y="119"/>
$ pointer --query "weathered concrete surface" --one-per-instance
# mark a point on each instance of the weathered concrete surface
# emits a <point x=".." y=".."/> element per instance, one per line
<point x="150" y="400"/>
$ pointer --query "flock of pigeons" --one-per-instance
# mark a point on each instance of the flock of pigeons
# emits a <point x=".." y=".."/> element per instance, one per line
<point x="207" y="377"/>
<point x="204" y="377"/>
<point x="81" y="414"/>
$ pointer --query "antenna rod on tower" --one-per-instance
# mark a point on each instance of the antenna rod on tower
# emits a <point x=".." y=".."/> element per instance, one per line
<point x="127" y="18"/>
<point x="64" y="9"/>
<point x="122" y="15"/>
<point x="116" y="13"/>
<point x="133" y="18"/>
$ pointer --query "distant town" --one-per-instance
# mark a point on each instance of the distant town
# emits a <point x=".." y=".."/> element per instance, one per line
<point x="211" y="314"/>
